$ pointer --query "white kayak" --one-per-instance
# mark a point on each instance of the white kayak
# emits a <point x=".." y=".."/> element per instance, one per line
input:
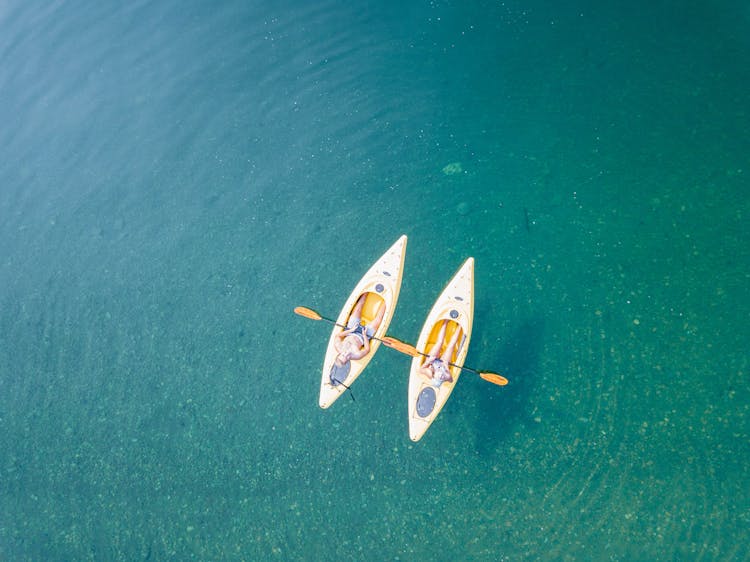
<point x="381" y="284"/>
<point x="427" y="396"/>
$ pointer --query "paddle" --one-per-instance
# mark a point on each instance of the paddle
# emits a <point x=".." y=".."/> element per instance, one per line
<point x="312" y="315"/>
<point x="393" y="343"/>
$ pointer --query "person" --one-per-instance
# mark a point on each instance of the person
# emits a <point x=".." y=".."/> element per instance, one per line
<point x="436" y="366"/>
<point x="354" y="341"/>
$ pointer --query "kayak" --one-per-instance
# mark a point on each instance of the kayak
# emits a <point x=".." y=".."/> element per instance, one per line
<point x="381" y="284"/>
<point x="455" y="305"/>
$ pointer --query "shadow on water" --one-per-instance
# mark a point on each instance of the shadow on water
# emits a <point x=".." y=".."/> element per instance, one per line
<point x="501" y="409"/>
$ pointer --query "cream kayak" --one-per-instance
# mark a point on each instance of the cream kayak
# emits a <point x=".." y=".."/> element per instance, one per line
<point x="381" y="283"/>
<point x="456" y="305"/>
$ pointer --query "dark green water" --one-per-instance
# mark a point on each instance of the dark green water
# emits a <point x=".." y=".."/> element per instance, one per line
<point x="175" y="177"/>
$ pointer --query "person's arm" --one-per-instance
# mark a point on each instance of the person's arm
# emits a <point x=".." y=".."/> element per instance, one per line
<point x="362" y="352"/>
<point x="425" y="368"/>
<point x="345" y="332"/>
<point x="359" y="354"/>
<point x="366" y="346"/>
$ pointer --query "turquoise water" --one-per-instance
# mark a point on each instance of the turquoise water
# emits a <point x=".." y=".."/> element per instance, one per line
<point x="176" y="177"/>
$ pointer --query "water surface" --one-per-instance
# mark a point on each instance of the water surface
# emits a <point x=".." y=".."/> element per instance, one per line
<point x="177" y="177"/>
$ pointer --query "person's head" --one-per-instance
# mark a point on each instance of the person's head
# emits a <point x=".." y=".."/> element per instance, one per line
<point x="440" y="371"/>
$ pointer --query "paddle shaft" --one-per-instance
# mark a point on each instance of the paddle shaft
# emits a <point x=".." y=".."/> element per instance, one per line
<point x="349" y="388"/>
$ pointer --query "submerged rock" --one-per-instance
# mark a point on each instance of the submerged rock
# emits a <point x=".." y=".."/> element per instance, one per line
<point x="452" y="169"/>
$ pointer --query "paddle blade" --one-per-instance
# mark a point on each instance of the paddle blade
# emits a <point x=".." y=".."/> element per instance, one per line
<point x="494" y="378"/>
<point x="393" y="343"/>
<point x="307" y="313"/>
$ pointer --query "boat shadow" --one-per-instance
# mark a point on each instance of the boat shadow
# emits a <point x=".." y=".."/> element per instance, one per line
<point x="500" y="409"/>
